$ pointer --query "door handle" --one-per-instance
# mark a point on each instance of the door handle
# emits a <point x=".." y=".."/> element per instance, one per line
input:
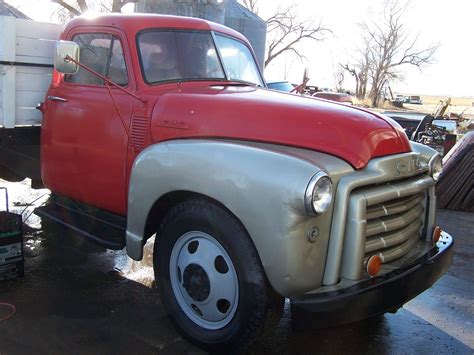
<point x="57" y="98"/>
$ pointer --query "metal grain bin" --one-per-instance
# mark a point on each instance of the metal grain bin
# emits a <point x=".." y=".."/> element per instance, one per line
<point x="211" y="10"/>
<point x="249" y="24"/>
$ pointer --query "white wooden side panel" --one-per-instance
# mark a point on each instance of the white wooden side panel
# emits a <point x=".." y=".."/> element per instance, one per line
<point x="24" y="99"/>
<point x="7" y="53"/>
<point x="31" y="86"/>
<point x="34" y="50"/>
<point x="35" y="41"/>
<point x="8" y="95"/>
<point x="34" y="29"/>
<point x="33" y="78"/>
<point x="29" y="116"/>
<point x="23" y="87"/>
<point x="7" y="38"/>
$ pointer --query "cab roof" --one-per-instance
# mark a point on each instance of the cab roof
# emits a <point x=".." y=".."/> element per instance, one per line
<point x="133" y="23"/>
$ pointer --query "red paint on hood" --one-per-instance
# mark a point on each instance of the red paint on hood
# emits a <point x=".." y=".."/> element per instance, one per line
<point x="261" y="115"/>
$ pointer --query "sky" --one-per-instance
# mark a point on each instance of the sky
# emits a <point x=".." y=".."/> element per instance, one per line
<point x="449" y="23"/>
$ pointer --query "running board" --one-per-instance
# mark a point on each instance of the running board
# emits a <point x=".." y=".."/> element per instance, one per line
<point x="103" y="228"/>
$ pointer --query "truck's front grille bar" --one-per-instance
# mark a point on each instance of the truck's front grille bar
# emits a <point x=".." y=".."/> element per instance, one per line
<point x="393" y="221"/>
<point x="390" y="254"/>
<point x="395" y="206"/>
<point x="386" y="240"/>
<point x="384" y="220"/>
<point x="392" y="235"/>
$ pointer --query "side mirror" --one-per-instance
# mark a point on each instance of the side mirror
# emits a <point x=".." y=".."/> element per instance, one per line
<point x="63" y="50"/>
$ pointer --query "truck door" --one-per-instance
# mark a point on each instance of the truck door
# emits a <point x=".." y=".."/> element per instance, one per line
<point x="85" y="138"/>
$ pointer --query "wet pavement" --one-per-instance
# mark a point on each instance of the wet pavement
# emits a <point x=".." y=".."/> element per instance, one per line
<point x="79" y="298"/>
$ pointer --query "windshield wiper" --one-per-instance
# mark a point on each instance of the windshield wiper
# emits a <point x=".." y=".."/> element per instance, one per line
<point x="236" y="83"/>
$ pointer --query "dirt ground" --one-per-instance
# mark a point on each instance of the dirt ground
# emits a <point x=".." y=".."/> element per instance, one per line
<point x="79" y="298"/>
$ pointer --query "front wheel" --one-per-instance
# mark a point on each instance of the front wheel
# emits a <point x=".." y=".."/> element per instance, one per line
<point x="210" y="277"/>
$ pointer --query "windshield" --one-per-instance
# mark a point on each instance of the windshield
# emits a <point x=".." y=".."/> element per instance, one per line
<point x="185" y="55"/>
<point x="238" y="60"/>
<point x="173" y="55"/>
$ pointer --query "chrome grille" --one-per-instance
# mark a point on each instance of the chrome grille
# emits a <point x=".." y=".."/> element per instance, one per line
<point x="384" y="219"/>
<point x="394" y="226"/>
<point x="381" y="192"/>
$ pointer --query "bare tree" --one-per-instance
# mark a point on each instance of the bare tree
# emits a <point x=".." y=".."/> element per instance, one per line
<point x="213" y="10"/>
<point x="360" y="71"/>
<point x="389" y="47"/>
<point x="118" y="4"/>
<point x="286" y="31"/>
<point x="339" y="78"/>
<point x="71" y="8"/>
<point x="251" y="5"/>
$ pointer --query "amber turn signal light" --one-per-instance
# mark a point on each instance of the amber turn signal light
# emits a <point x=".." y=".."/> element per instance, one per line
<point x="436" y="234"/>
<point x="373" y="265"/>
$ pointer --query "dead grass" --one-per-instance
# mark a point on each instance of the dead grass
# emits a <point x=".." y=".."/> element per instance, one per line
<point x="459" y="105"/>
<point x="455" y="101"/>
<point x="464" y="105"/>
<point x="362" y="103"/>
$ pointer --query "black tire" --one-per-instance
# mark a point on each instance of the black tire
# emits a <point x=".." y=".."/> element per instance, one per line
<point x="258" y="306"/>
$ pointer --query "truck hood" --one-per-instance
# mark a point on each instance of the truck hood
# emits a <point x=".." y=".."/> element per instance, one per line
<point x="247" y="113"/>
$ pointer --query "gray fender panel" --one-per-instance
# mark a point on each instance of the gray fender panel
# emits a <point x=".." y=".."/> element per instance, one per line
<point x="263" y="187"/>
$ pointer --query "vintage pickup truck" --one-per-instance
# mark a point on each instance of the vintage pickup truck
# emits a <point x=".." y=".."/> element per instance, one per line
<point x="164" y="125"/>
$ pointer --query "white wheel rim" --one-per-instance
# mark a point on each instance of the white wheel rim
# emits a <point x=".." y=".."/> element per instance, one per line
<point x="204" y="280"/>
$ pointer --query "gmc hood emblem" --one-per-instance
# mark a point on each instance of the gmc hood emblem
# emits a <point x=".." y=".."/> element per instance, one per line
<point x="409" y="166"/>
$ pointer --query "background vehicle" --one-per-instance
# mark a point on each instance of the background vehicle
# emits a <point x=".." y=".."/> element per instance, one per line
<point x="400" y="98"/>
<point x="415" y="100"/>
<point x="283" y="85"/>
<point x="335" y="96"/>
<point x="163" y="125"/>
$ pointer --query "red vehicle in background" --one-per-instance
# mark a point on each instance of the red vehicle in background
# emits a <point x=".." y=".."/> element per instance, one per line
<point x="335" y="96"/>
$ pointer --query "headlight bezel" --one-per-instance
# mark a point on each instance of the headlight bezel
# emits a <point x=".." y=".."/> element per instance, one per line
<point x="310" y="190"/>
<point x="436" y="166"/>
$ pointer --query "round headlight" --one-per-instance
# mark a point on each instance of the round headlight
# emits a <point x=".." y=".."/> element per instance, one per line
<point x="318" y="194"/>
<point x="436" y="167"/>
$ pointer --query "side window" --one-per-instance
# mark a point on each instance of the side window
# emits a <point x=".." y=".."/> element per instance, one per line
<point x="102" y="53"/>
